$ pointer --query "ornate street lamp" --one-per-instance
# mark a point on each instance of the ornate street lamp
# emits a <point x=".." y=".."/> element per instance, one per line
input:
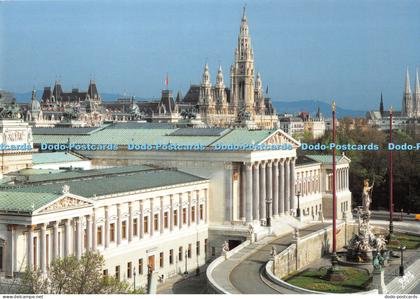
<point x="134" y="276"/>
<point x="401" y="248"/>
<point x="268" y="211"/>
<point x="186" y="262"/>
<point x="298" y="207"/>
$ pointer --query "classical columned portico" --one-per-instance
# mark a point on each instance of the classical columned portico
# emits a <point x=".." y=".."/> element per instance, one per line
<point x="248" y="197"/>
<point x="263" y="190"/>
<point x="275" y="188"/>
<point x="256" y="191"/>
<point x="281" y="187"/>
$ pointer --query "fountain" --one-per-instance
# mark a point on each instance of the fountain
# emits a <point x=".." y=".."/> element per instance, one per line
<point x="364" y="245"/>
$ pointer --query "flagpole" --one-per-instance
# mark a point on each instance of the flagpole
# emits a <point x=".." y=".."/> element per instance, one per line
<point x="391" y="183"/>
<point x="334" y="261"/>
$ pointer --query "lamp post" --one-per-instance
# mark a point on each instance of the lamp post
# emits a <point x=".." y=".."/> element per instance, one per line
<point x="391" y="183"/>
<point x="401" y="248"/>
<point x="186" y="262"/>
<point x="134" y="276"/>
<point x="268" y="209"/>
<point x="298" y="207"/>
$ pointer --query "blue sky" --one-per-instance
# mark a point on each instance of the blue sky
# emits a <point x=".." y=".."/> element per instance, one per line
<point x="306" y="49"/>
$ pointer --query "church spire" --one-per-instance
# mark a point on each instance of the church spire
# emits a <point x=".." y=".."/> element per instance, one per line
<point x="381" y="105"/>
<point x="407" y="83"/>
<point x="417" y="85"/>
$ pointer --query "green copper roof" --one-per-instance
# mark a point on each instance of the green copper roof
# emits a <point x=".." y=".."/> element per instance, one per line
<point x="140" y="135"/>
<point x="54" y="157"/>
<point x="326" y="159"/>
<point x="30" y="197"/>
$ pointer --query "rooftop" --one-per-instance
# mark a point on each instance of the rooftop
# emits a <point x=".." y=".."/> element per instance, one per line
<point x="28" y="197"/>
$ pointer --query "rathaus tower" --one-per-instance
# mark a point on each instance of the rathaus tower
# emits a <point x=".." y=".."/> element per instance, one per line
<point x="243" y="100"/>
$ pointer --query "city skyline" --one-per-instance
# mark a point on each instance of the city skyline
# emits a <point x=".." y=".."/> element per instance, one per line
<point x="300" y="57"/>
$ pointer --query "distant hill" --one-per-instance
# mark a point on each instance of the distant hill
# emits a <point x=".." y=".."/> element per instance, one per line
<point x="311" y="106"/>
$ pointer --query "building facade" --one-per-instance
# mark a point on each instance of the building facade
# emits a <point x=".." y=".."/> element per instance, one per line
<point x="137" y="217"/>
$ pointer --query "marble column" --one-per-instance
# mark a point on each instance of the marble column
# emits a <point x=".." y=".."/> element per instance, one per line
<point x="229" y="192"/>
<point x="197" y="207"/>
<point x="67" y="239"/>
<point x="94" y="230"/>
<point x="88" y="233"/>
<point x="171" y="212"/>
<point x="130" y="221"/>
<point x="281" y="187"/>
<point x="55" y="253"/>
<point x="275" y="188"/>
<point x="43" y="249"/>
<point x="119" y="224"/>
<point x="206" y="205"/>
<point x="248" y="171"/>
<point x="152" y="218"/>
<point x="106" y="228"/>
<point x="243" y="193"/>
<point x="269" y="184"/>
<point x="180" y="216"/>
<point x="141" y="220"/>
<point x="293" y="199"/>
<point x="79" y="238"/>
<point x="262" y="190"/>
<point x="256" y="191"/>
<point x="287" y="186"/>
<point x="30" y="247"/>
<point x="11" y="250"/>
<point x="189" y="209"/>
<point x="161" y="226"/>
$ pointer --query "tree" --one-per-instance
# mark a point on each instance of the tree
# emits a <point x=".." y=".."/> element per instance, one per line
<point x="72" y="276"/>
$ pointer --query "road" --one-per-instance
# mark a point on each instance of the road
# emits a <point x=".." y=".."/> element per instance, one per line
<point x="246" y="276"/>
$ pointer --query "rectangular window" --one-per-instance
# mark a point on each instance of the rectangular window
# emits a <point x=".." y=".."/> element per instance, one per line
<point x="99" y="235"/>
<point x="171" y="256"/>
<point x="140" y="266"/>
<point x="201" y="212"/>
<point x="156" y="222"/>
<point x="165" y="220"/>
<point x="197" y="248"/>
<point x="161" y="260"/>
<point x="192" y="214"/>
<point x="189" y="250"/>
<point x="213" y="251"/>
<point x="124" y="230"/>
<point x="180" y="253"/>
<point x="105" y="272"/>
<point x="184" y="216"/>
<point x="135" y="227"/>
<point x="146" y="224"/>
<point x="117" y="272"/>
<point x="175" y="217"/>
<point x="112" y="232"/>
<point x="129" y="270"/>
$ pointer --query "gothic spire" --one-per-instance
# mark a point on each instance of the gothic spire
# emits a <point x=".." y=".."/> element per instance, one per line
<point x="407" y="83"/>
<point x="381" y="105"/>
<point x="219" y="78"/>
<point x="416" y="84"/>
<point x="206" y="76"/>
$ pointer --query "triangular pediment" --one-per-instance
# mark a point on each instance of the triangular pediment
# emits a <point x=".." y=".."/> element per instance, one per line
<point x="64" y="202"/>
<point x="280" y="137"/>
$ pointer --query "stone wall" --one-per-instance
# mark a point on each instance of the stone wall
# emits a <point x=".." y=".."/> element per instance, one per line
<point x="311" y="248"/>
